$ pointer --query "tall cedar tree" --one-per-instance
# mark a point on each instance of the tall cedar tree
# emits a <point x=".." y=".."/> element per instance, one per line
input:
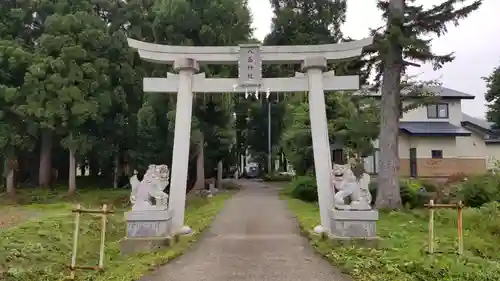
<point x="493" y="97"/>
<point x="404" y="38"/>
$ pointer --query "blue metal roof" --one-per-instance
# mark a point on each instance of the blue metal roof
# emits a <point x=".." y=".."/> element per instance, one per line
<point x="432" y="129"/>
<point x="438" y="91"/>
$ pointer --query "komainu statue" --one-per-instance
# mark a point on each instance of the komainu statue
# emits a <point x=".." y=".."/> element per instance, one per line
<point x="148" y="194"/>
<point x="350" y="186"/>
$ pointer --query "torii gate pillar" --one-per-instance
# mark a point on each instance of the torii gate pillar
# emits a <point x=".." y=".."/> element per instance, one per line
<point x="314" y="66"/>
<point x="182" y="135"/>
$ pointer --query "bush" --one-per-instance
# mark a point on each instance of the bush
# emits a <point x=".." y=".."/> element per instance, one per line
<point x="480" y="189"/>
<point x="277" y="177"/>
<point x="414" y="193"/>
<point x="305" y="189"/>
<point x="456" y="178"/>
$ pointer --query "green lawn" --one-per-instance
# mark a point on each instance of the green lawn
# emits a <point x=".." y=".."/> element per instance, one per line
<point x="40" y="248"/>
<point x="402" y="253"/>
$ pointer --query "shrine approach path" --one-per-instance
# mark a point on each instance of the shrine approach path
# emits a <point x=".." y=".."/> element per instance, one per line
<point x="255" y="238"/>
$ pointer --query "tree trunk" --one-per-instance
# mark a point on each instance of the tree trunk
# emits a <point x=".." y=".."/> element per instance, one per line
<point x="116" y="173"/>
<point x="45" y="168"/>
<point x="10" y="177"/>
<point x="72" y="174"/>
<point x="200" y="167"/>
<point x="218" y="183"/>
<point x="388" y="195"/>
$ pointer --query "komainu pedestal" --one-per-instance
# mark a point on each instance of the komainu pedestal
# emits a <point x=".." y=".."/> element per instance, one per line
<point x="149" y="223"/>
<point x="354" y="226"/>
<point x="147" y="231"/>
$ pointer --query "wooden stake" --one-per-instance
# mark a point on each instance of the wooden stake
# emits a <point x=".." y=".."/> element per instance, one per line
<point x="431" y="227"/>
<point x="103" y="235"/>
<point x="75" y="241"/>
<point x="78" y="211"/>
<point x="460" y="229"/>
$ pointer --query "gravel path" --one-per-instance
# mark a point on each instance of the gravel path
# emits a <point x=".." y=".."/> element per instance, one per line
<point x="12" y="216"/>
<point x="256" y="238"/>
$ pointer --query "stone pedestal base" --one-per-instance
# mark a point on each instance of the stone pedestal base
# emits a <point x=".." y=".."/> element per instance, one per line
<point x="154" y="223"/>
<point x="353" y="226"/>
<point x="147" y="230"/>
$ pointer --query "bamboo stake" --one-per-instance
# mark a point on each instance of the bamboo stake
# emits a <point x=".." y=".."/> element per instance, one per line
<point x="75" y="242"/>
<point x="431" y="227"/>
<point x="103" y="235"/>
<point x="460" y="229"/>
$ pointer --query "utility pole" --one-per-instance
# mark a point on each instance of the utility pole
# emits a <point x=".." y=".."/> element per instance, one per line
<point x="269" y="158"/>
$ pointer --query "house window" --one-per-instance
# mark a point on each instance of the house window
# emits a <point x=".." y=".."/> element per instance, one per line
<point x="437" y="154"/>
<point x="437" y="111"/>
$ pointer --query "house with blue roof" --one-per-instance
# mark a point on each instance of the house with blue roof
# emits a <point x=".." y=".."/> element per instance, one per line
<point x="438" y="140"/>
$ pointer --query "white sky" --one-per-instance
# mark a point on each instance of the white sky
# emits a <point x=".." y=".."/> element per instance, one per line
<point x="476" y="43"/>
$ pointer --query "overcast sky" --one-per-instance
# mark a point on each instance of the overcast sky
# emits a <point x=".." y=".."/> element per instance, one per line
<point x="475" y="41"/>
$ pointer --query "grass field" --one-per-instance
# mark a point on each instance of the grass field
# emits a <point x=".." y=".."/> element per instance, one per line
<point x="36" y="236"/>
<point x="402" y="256"/>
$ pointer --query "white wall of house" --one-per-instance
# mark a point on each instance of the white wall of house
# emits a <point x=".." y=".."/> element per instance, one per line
<point x="371" y="162"/>
<point x="404" y="146"/>
<point x="493" y="154"/>
<point x="472" y="146"/>
<point x="425" y="145"/>
<point x="420" y="113"/>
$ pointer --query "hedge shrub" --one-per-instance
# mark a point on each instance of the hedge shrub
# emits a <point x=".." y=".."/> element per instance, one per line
<point x="304" y="188"/>
<point x="479" y="190"/>
<point x="414" y="193"/>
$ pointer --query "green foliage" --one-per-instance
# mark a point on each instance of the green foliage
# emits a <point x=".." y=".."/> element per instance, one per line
<point x="306" y="22"/>
<point x="33" y="250"/>
<point x="401" y="253"/>
<point x="351" y="122"/>
<point x="296" y="140"/>
<point x="480" y="189"/>
<point x="71" y="59"/>
<point x="304" y="188"/>
<point x="492" y="96"/>
<point x="412" y="36"/>
<point x="414" y="193"/>
<point x="15" y="133"/>
<point x="258" y="128"/>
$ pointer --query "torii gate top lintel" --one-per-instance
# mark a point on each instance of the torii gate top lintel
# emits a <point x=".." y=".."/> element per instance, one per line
<point x="167" y="54"/>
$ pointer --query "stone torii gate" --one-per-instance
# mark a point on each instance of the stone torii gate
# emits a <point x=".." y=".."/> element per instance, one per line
<point x="186" y="61"/>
